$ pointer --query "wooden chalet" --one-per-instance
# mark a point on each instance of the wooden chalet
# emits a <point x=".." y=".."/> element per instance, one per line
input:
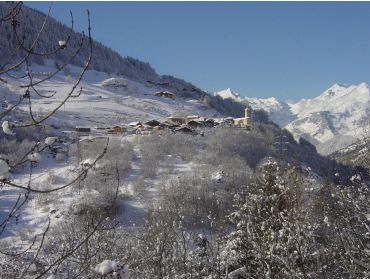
<point x="153" y="123"/>
<point x="166" y="94"/>
<point x="184" y="129"/>
<point x="176" y="120"/>
<point x="118" y="129"/>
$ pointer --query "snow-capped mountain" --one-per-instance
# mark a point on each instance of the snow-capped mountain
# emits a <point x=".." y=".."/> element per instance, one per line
<point x="229" y="93"/>
<point x="332" y="120"/>
<point x="278" y="111"/>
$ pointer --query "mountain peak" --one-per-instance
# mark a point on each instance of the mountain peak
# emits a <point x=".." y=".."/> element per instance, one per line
<point x="228" y="93"/>
<point x="338" y="86"/>
<point x="340" y="90"/>
<point x="335" y="90"/>
<point x="363" y="88"/>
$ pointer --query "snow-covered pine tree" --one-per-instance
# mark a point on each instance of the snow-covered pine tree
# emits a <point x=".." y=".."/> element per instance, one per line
<point x="272" y="238"/>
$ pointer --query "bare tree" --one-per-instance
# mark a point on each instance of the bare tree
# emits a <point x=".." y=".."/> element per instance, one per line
<point x="17" y="72"/>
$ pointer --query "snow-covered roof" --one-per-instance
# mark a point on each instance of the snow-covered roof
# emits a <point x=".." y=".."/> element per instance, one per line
<point x="134" y="123"/>
<point x="193" y="117"/>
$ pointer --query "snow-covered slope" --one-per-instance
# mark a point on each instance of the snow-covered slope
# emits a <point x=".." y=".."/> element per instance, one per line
<point x="332" y="120"/>
<point x="102" y="102"/>
<point x="335" y="119"/>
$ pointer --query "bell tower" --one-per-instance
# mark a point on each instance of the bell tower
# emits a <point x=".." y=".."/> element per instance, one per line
<point x="248" y="115"/>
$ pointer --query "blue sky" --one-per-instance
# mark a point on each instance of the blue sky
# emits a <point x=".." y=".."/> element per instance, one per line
<point x="290" y="50"/>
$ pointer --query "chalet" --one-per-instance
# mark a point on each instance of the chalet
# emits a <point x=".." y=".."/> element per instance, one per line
<point x="164" y="125"/>
<point x="152" y="123"/>
<point x="209" y="122"/>
<point x="133" y="124"/>
<point x="198" y="119"/>
<point x="193" y="117"/>
<point x="176" y="120"/>
<point x="129" y="130"/>
<point x="169" y="124"/>
<point x="147" y="127"/>
<point x="195" y="124"/>
<point x="217" y="122"/>
<point x="118" y="129"/>
<point x="102" y="128"/>
<point x="166" y="94"/>
<point x="83" y="129"/>
<point x="184" y="129"/>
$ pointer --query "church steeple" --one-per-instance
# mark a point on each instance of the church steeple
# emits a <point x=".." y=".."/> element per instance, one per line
<point x="248" y="115"/>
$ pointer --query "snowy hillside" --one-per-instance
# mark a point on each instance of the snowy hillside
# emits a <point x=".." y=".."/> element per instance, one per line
<point x="332" y="120"/>
<point x="104" y="100"/>
<point x="104" y="59"/>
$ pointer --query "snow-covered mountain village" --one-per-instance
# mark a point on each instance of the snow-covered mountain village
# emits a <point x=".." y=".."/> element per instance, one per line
<point x="111" y="170"/>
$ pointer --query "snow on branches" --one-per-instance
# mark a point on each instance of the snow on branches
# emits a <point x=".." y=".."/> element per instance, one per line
<point x="34" y="157"/>
<point x="7" y="128"/>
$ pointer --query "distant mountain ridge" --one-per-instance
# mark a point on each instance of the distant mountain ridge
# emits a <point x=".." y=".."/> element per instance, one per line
<point x="278" y="111"/>
<point x="331" y="121"/>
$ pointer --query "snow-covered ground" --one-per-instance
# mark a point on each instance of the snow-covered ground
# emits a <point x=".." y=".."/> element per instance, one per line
<point x="137" y="201"/>
<point x="104" y="100"/>
<point x="33" y="217"/>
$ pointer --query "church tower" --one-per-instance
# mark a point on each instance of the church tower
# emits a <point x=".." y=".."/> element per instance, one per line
<point x="248" y="115"/>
